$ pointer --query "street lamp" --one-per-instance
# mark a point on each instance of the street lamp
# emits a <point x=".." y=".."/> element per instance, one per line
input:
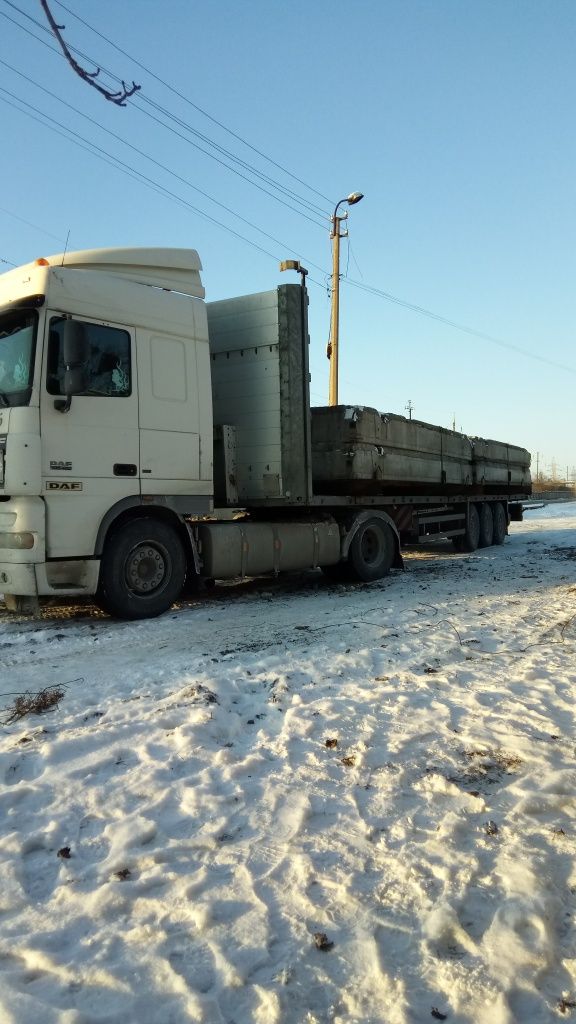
<point x="297" y="266"/>
<point x="335" y="235"/>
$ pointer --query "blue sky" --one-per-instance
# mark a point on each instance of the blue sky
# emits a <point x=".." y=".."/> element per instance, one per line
<point x="456" y="120"/>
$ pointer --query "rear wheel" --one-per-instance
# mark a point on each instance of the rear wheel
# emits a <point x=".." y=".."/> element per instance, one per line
<point x="470" y="539"/>
<point x="500" y="523"/>
<point x="142" y="570"/>
<point x="486" y="525"/>
<point x="372" y="551"/>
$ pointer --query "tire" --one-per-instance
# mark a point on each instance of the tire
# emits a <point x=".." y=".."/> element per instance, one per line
<point x="471" y="539"/>
<point x="142" y="570"/>
<point x="486" y="538"/>
<point x="371" y="551"/>
<point x="101" y="602"/>
<point x="500" y="523"/>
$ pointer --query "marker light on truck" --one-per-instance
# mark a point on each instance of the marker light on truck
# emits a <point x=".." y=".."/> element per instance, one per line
<point x="42" y="262"/>
<point x="16" y="541"/>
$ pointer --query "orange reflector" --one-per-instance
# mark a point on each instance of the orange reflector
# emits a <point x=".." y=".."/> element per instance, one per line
<point x="41" y="262"/>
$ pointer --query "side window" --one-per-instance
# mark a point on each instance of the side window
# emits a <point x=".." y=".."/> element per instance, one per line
<point x="109" y="370"/>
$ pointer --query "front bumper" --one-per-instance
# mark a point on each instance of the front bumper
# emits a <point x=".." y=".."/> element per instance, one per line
<point x="18" y="579"/>
<point x="22" y="525"/>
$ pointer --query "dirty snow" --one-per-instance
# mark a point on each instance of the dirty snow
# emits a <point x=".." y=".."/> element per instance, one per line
<point x="389" y="765"/>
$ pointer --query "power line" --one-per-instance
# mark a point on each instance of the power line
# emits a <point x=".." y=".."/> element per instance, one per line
<point x="142" y="153"/>
<point x="9" y="262"/>
<point x="66" y="133"/>
<point x="30" y="225"/>
<point x="289" y="193"/>
<point x="312" y="207"/>
<point x="422" y="311"/>
<point x="86" y="57"/>
<point x="143" y="179"/>
<point x="114" y="162"/>
<point x="200" y="110"/>
<point x="177" y="120"/>
<point x="95" y="150"/>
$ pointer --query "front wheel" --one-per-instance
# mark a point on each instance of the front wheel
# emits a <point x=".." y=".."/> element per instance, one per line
<point x="142" y="570"/>
<point x="371" y="551"/>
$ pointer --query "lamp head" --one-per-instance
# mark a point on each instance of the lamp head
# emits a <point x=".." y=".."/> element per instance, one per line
<point x="354" y="197"/>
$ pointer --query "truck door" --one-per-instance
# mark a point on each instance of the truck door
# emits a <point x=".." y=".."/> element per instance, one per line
<point x="90" y="453"/>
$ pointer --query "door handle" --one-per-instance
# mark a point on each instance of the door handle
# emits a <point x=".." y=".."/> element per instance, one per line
<point x="125" y="469"/>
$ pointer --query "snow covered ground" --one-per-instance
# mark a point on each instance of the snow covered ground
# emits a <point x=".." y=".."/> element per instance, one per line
<point x="389" y="765"/>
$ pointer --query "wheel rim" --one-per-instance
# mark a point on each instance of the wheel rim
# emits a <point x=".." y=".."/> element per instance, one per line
<point x="371" y="546"/>
<point x="147" y="568"/>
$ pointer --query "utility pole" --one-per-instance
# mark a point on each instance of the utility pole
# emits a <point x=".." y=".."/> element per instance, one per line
<point x="537" y="466"/>
<point x="409" y="408"/>
<point x="332" y="350"/>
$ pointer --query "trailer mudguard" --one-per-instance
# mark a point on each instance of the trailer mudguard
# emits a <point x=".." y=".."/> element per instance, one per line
<point x="360" y="518"/>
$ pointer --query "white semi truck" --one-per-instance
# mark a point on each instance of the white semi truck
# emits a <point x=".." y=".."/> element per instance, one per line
<point x="149" y="439"/>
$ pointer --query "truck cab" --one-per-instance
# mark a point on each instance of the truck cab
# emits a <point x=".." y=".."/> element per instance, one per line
<point x="105" y="408"/>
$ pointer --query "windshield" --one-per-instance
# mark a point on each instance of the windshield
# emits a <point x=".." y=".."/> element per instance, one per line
<point x="17" y="338"/>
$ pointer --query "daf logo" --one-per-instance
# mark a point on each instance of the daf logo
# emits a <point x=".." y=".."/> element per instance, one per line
<point x="59" y="466"/>
<point x="63" y="485"/>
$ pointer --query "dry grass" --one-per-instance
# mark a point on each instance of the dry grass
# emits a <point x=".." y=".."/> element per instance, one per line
<point x="490" y="759"/>
<point x="34" y="703"/>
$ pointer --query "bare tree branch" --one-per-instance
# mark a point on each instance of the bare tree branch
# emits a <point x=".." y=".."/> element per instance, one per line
<point x="119" y="97"/>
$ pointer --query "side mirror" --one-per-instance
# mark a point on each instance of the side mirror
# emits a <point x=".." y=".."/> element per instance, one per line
<point x="75" y="344"/>
<point x="76" y="351"/>
<point x="75" y="380"/>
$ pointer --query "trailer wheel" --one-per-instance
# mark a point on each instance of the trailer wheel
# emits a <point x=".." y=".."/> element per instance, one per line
<point x="142" y="570"/>
<point x="500" y="523"/>
<point x="371" y="551"/>
<point x="471" y="538"/>
<point x="486" y="538"/>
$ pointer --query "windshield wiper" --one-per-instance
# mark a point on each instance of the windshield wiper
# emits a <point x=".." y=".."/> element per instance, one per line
<point x="4" y="403"/>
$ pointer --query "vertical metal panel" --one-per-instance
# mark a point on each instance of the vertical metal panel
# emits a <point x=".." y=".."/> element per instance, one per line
<point x="259" y="359"/>
<point x="295" y="391"/>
